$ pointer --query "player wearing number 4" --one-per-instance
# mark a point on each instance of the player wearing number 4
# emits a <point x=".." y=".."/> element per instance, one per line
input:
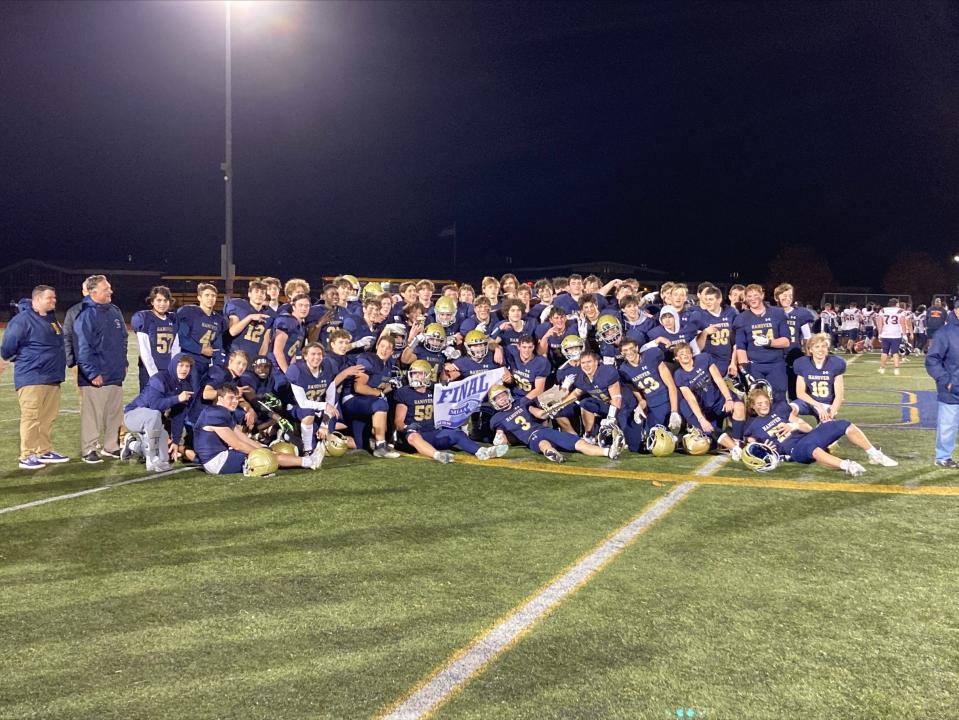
<point x="820" y="387"/>
<point x="156" y="330"/>
<point x="200" y="330"/>
<point x="413" y="419"/>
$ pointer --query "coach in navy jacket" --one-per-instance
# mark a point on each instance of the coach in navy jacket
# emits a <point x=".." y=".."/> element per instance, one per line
<point x="34" y="342"/>
<point x="942" y="363"/>
<point x="101" y="335"/>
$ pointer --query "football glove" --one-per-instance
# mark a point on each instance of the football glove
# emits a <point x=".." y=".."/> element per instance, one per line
<point x="607" y="423"/>
<point x="451" y="353"/>
<point x="675" y="422"/>
<point x="638" y="415"/>
<point x="761" y="341"/>
<point x="568" y="382"/>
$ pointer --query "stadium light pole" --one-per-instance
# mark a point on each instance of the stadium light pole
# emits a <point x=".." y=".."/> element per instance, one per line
<point x="226" y="251"/>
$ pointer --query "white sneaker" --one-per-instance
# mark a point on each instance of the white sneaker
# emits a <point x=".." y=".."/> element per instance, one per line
<point x="317" y="456"/>
<point x="617" y="445"/>
<point x="160" y="467"/>
<point x="896" y="371"/>
<point x="878" y="457"/>
<point x="735" y="453"/>
<point x="854" y="468"/>
<point x="446" y="457"/>
<point x="554" y="456"/>
<point x="126" y="450"/>
<point x="882" y="371"/>
<point x="385" y="451"/>
<point x="486" y="453"/>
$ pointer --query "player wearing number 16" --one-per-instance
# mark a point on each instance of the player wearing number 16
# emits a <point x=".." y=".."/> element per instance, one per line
<point x="820" y="387"/>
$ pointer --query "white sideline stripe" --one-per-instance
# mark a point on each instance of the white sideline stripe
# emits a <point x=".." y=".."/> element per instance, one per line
<point x="64" y="411"/>
<point x="495" y="641"/>
<point x="81" y="493"/>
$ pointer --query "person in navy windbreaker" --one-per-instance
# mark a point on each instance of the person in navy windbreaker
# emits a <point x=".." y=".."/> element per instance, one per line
<point x="101" y="336"/>
<point x="34" y="342"/>
<point x="942" y="363"/>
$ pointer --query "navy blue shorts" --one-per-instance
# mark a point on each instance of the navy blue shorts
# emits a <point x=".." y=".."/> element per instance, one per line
<point x="446" y="439"/>
<point x="850" y="334"/>
<point x="890" y="346"/>
<point x="775" y="374"/>
<point x="821" y="437"/>
<point x="228" y="462"/>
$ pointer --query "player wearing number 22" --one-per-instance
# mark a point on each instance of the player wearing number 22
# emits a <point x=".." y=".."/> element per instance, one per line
<point x="155" y="330"/>
<point x="762" y="334"/>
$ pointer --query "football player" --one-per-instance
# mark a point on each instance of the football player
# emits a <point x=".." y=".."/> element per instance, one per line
<point x="223" y="450"/>
<point x="820" y="387"/>
<point x="761" y="336"/>
<point x="891" y="324"/>
<point x="200" y="330"/>
<point x="314" y="391"/>
<point x="249" y="321"/>
<point x="779" y="427"/>
<point x="364" y="398"/>
<point x="509" y="331"/>
<point x="799" y="321"/>
<point x="649" y="378"/>
<point x="572" y="348"/>
<point x="550" y="335"/>
<point x="669" y="332"/>
<point x="517" y="419"/>
<point x="413" y="419"/>
<point x="609" y="335"/>
<point x="850" y="320"/>
<point x="427" y="344"/>
<point x="481" y="318"/>
<point x="705" y="400"/>
<point x="528" y="370"/>
<point x="289" y="333"/>
<point x="716" y="338"/>
<point x="156" y="332"/>
<point x="272" y="293"/>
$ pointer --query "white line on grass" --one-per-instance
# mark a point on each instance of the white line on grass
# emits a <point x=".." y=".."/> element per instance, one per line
<point x="81" y="493"/>
<point x="439" y="687"/>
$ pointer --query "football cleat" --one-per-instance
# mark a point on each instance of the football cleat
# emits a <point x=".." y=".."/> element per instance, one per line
<point x="660" y="442"/>
<point x="443" y="457"/>
<point x="878" y="457"/>
<point x="759" y="457"/>
<point x="260" y="463"/>
<point x="420" y="374"/>
<point x="554" y="455"/>
<point x="609" y="330"/>
<point x="617" y="443"/>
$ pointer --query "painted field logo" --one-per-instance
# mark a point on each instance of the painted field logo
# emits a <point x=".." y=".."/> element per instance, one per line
<point x="454" y="403"/>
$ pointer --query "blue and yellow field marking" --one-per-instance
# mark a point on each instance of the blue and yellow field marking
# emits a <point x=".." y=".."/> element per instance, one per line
<point x="919" y="409"/>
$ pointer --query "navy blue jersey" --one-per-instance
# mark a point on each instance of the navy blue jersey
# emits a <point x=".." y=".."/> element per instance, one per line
<point x="251" y="339"/>
<point x="419" y="408"/>
<point x="700" y="381"/>
<point x="195" y="329"/>
<point x="774" y="427"/>
<point x="435" y="359"/>
<point x="610" y="354"/>
<point x="554" y="351"/>
<point x="334" y="364"/>
<point x="314" y="386"/>
<point x="660" y="332"/>
<point x="566" y="370"/>
<point x="820" y="382"/>
<point x="645" y="376"/>
<point x="220" y="376"/>
<point x="161" y="333"/>
<point x="468" y="366"/>
<point x="207" y="443"/>
<point x="340" y="318"/>
<point x="639" y="331"/>
<point x="599" y="386"/>
<point x="378" y="371"/>
<point x="363" y="330"/>
<point x="525" y="374"/>
<point x="295" y="336"/>
<point x="718" y="345"/>
<point x="517" y="421"/>
<point x="795" y="319"/>
<point x="260" y="387"/>
<point x="771" y="324"/>
<point x="510" y="335"/>
<point x="474" y="323"/>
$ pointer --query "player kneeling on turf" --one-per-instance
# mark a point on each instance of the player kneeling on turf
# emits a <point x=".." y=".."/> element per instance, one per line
<point x="779" y="427"/>
<point x="413" y="419"/>
<point x="517" y="420"/>
<point x="222" y="449"/>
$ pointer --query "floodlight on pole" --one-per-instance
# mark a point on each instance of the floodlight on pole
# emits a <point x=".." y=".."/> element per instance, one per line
<point x="226" y="252"/>
<point x="955" y="258"/>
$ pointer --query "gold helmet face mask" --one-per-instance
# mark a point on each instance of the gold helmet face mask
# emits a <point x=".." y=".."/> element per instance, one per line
<point x="572" y="347"/>
<point x="500" y="397"/>
<point x="477" y="344"/>
<point x="420" y="374"/>
<point x="435" y="337"/>
<point x="445" y="309"/>
<point x="336" y="444"/>
<point x="608" y="330"/>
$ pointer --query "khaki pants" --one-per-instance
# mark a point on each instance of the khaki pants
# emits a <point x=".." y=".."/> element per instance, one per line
<point x="39" y="407"/>
<point x="101" y="413"/>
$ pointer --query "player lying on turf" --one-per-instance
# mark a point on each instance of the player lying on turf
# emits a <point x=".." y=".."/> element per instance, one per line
<point x="413" y="419"/>
<point x="517" y="419"/>
<point x="779" y="428"/>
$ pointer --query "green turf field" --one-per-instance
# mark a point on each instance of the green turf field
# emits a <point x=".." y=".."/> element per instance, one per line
<point x="797" y="594"/>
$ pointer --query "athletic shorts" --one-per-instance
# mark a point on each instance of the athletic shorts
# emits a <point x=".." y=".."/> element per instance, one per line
<point x="890" y="346"/>
<point x="557" y="438"/>
<point x="850" y="334"/>
<point x="228" y="462"/>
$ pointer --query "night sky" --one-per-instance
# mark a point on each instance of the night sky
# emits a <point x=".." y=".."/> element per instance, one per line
<point x="690" y="137"/>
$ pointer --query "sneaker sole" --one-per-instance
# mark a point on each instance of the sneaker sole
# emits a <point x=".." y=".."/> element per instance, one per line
<point x="54" y="462"/>
<point x="30" y="467"/>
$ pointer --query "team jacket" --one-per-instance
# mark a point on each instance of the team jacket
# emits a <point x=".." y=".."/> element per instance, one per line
<point x="35" y="342"/>
<point x="101" y="336"/>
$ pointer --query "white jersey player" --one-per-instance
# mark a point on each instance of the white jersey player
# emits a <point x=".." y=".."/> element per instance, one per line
<point x="891" y="322"/>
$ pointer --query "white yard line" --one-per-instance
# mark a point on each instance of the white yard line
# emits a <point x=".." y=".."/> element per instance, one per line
<point x="472" y="660"/>
<point x="81" y="493"/>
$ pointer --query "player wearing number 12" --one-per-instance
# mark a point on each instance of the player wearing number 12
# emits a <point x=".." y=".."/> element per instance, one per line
<point x="249" y="321"/>
<point x="155" y="330"/>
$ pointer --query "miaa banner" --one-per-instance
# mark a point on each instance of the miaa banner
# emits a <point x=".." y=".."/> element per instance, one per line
<point x="454" y="403"/>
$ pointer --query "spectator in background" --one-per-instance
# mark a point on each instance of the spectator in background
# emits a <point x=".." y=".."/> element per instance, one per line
<point x="942" y="364"/>
<point x="101" y="342"/>
<point x="33" y="341"/>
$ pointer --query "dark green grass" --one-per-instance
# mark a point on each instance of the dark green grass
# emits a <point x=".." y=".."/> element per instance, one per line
<point x="752" y="604"/>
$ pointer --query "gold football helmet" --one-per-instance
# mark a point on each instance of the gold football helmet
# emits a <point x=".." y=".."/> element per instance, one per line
<point x="477" y="344"/>
<point x="336" y="444"/>
<point x="695" y="442"/>
<point x="420" y="374"/>
<point x="445" y="310"/>
<point x="435" y="337"/>
<point x="260" y="463"/>
<point x="572" y="347"/>
<point x="283" y="448"/>
<point x="660" y="442"/>
<point x="500" y="397"/>
<point x="609" y="330"/>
